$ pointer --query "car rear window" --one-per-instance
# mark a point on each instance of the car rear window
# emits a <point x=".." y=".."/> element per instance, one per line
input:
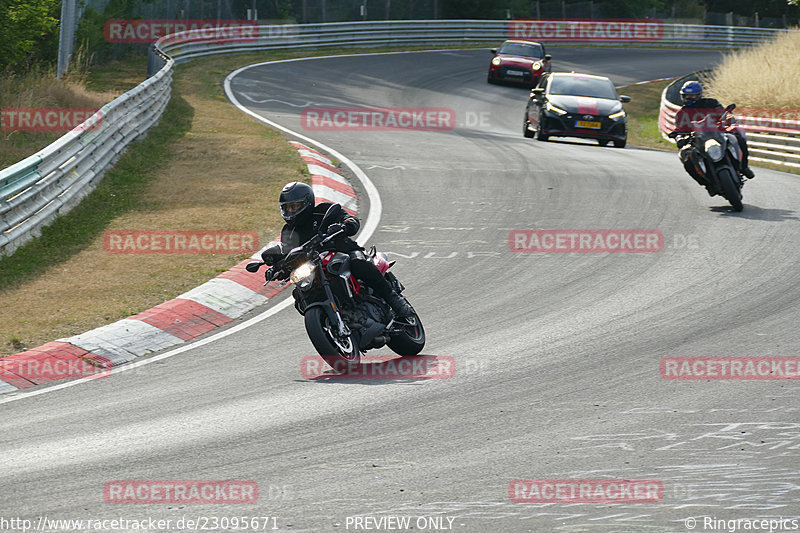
<point x="580" y="86"/>
<point x="519" y="49"/>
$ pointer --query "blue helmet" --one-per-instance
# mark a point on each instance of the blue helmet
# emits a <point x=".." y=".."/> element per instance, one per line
<point x="691" y="92"/>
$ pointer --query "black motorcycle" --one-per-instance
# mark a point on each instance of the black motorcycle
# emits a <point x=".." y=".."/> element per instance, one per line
<point x="343" y="317"/>
<point x="717" y="157"/>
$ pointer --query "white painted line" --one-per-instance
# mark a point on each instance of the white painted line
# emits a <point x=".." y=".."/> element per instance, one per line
<point x="376" y="208"/>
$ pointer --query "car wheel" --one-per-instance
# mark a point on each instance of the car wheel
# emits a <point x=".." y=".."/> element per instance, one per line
<point x="539" y="135"/>
<point x="602" y="142"/>
<point x="620" y="144"/>
<point x="526" y="129"/>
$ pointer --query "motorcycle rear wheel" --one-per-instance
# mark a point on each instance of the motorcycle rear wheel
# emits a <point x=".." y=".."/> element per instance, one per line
<point x="411" y="341"/>
<point x="338" y="352"/>
<point x="729" y="190"/>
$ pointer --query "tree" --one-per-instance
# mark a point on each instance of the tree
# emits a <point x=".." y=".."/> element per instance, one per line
<point x="28" y="33"/>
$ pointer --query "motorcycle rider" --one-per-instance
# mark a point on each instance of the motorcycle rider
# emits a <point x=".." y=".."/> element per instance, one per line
<point x="695" y="109"/>
<point x="303" y="220"/>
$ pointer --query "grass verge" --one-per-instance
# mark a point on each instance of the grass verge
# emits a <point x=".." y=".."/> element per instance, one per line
<point x="642" y="113"/>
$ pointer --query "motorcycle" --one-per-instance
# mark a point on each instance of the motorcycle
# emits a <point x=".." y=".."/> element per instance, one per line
<point x="717" y="156"/>
<point x="343" y="317"/>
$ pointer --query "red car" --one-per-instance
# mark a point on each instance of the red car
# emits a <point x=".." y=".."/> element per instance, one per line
<point x="519" y="62"/>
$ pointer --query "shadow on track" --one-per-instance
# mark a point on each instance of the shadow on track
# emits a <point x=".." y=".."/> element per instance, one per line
<point x="756" y="213"/>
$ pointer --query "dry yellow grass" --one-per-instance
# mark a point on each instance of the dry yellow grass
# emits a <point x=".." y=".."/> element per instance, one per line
<point x="764" y="76"/>
<point x="224" y="174"/>
<point x="37" y="90"/>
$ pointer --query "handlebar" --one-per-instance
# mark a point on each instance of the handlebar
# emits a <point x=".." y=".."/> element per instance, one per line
<point x="315" y="242"/>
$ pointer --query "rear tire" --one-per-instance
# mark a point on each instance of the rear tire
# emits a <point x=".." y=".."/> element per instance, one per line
<point x="411" y="342"/>
<point x="337" y="352"/>
<point x="729" y="190"/>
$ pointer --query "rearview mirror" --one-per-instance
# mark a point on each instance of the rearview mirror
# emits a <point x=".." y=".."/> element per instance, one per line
<point x="334" y="212"/>
<point x="624" y="99"/>
<point x="730" y="107"/>
<point x="548" y="57"/>
<point x="272" y="253"/>
<point x="254" y="266"/>
<point x="494" y="51"/>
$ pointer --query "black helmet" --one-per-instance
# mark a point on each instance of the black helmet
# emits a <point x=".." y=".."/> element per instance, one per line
<point x="296" y="201"/>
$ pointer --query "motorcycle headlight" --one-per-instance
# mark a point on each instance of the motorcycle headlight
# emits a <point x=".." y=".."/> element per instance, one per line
<point x="303" y="275"/>
<point x="554" y="109"/>
<point x="496" y="61"/>
<point x="713" y="149"/>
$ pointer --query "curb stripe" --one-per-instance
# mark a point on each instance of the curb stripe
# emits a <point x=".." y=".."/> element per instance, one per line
<point x="335" y="185"/>
<point x="185" y="319"/>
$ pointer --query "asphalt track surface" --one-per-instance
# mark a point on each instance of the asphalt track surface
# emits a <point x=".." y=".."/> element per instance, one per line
<point x="557" y="355"/>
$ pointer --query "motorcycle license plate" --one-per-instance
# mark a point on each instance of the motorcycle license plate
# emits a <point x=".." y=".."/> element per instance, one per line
<point x="585" y="124"/>
<point x="515" y="73"/>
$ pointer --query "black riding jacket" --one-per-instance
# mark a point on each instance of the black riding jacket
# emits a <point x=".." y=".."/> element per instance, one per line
<point x="309" y="226"/>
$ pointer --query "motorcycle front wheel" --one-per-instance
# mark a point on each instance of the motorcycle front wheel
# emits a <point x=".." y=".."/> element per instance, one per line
<point x="339" y="352"/>
<point x="729" y="190"/>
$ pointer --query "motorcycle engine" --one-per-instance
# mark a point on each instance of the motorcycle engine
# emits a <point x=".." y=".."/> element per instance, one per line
<point x="372" y="318"/>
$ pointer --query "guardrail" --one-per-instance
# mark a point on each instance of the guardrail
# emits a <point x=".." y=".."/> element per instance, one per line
<point x="51" y="182"/>
<point x="771" y="136"/>
<point x="183" y="47"/>
<point x="38" y="189"/>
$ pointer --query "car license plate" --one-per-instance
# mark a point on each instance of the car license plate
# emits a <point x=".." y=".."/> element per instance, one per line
<point x="515" y="73"/>
<point x="584" y="124"/>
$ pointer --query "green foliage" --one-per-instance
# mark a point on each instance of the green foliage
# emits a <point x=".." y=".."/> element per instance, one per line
<point x="28" y="33"/>
<point x="765" y="8"/>
<point x="90" y="34"/>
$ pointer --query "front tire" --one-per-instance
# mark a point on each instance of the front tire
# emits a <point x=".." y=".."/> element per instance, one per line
<point x="620" y="144"/>
<point x="539" y="135"/>
<point x="729" y="190"/>
<point x="336" y="351"/>
<point x="526" y="129"/>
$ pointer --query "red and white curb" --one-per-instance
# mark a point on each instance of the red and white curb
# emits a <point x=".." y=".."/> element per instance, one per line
<point x="192" y="314"/>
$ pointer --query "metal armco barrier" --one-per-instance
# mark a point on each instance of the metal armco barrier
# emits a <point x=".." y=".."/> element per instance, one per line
<point x="773" y="135"/>
<point x="51" y="182"/>
<point x="38" y="189"/>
